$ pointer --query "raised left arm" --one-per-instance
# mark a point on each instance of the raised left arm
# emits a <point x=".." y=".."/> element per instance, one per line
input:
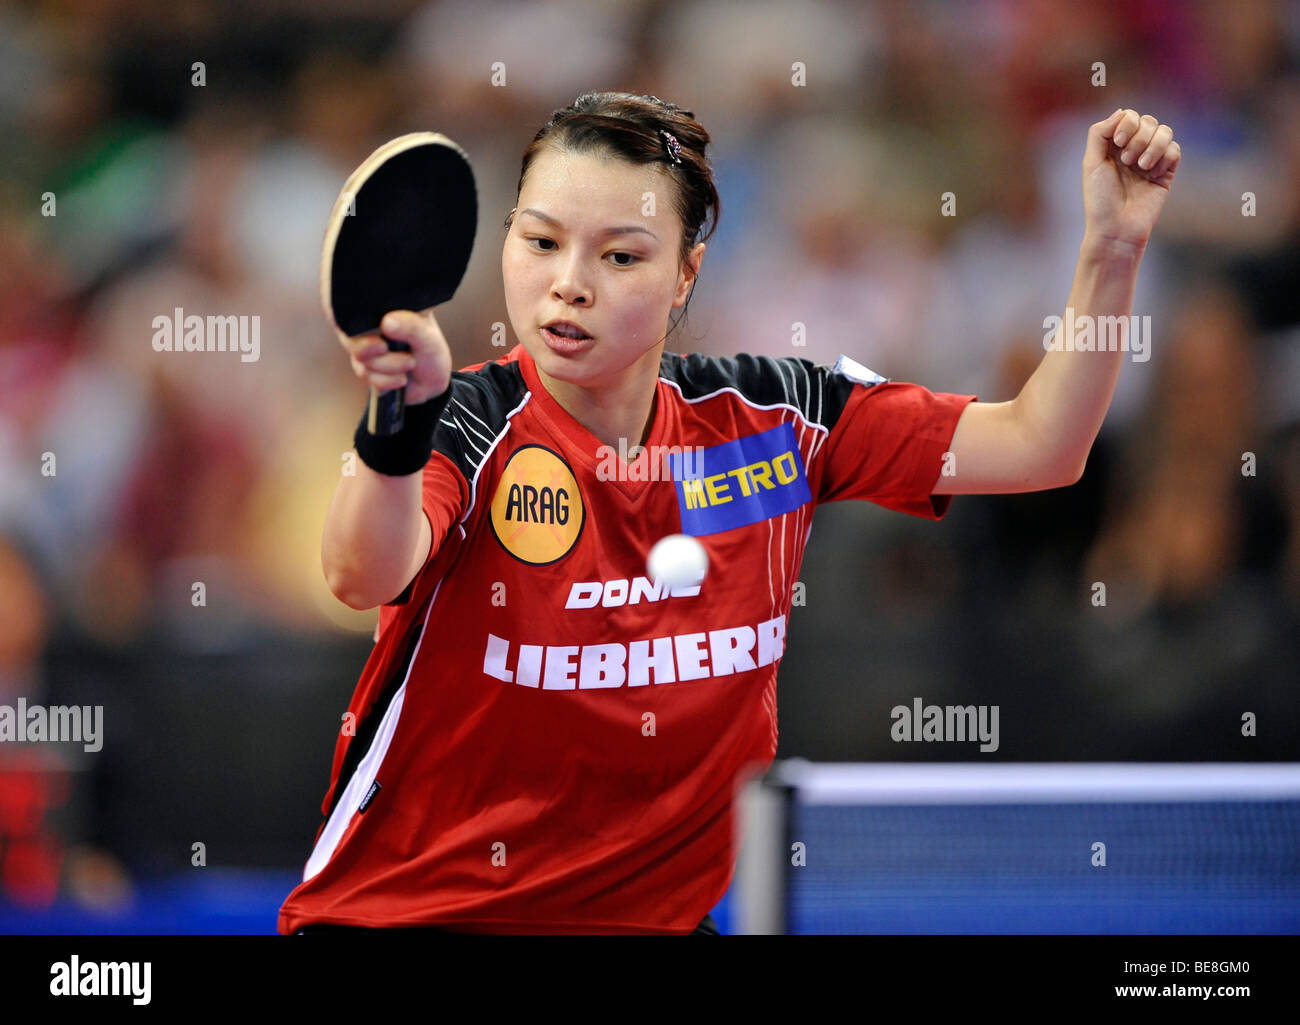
<point x="1042" y="437"/>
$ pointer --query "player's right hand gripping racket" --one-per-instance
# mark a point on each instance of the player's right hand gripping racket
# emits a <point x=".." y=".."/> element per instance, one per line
<point x="399" y="238"/>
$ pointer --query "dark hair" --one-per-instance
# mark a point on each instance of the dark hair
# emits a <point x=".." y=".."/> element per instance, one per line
<point x="630" y="127"/>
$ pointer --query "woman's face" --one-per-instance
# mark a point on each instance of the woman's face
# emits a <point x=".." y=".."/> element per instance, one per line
<point x="563" y="260"/>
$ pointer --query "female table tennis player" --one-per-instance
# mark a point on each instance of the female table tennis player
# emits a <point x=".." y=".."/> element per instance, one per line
<point x="544" y="740"/>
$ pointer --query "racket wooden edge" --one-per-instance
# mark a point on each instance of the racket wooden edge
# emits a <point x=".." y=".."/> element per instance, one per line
<point x="351" y="187"/>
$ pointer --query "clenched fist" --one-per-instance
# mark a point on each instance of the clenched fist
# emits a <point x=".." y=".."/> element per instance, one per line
<point x="1128" y="168"/>
<point x="425" y="371"/>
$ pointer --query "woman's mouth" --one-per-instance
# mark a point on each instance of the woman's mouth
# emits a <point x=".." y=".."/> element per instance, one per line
<point x="563" y="344"/>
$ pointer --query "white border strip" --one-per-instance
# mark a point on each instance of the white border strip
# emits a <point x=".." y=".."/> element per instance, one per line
<point x="749" y="402"/>
<point x="473" y="486"/>
<point x="1037" y="783"/>
<point x="367" y="768"/>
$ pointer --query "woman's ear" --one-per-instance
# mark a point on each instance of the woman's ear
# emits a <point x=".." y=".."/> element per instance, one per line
<point x="510" y="218"/>
<point x="690" y="270"/>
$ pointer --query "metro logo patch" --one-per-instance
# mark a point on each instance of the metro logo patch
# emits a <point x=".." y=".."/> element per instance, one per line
<point x="537" y="510"/>
<point x="741" y="482"/>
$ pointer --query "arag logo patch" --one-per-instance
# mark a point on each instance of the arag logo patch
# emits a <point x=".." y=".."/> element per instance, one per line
<point x="741" y="482"/>
<point x="537" y="511"/>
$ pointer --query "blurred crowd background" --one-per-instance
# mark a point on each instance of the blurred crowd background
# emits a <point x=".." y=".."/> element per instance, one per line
<point x="220" y="718"/>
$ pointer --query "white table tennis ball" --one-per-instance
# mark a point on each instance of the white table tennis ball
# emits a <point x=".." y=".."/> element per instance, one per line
<point x="677" y="561"/>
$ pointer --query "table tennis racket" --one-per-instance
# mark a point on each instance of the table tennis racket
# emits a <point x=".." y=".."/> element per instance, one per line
<point x="399" y="238"/>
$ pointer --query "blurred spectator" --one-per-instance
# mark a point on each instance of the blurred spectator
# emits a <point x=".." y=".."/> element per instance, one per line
<point x="1186" y="620"/>
<point x="43" y="846"/>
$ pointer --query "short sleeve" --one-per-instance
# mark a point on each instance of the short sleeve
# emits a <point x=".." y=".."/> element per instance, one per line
<point x="887" y="447"/>
<point x="444" y="497"/>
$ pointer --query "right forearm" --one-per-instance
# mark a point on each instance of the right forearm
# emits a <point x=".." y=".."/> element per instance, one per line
<point x="370" y="537"/>
<point x="376" y="533"/>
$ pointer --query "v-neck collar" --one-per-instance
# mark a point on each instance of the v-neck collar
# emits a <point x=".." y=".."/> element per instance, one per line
<point x="583" y="445"/>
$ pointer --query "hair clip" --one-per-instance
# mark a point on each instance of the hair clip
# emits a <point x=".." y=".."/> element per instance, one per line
<point x="673" y="146"/>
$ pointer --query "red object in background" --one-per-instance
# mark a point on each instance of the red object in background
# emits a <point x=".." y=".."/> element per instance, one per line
<point x="178" y="503"/>
<point x="31" y="855"/>
<point x="29" y="871"/>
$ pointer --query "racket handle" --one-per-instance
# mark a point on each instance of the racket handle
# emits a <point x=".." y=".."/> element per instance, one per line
<point x="388" y="409"/>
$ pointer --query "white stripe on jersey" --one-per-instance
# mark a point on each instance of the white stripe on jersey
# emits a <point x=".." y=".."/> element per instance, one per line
<point x="471" y="412"/>
<point x="771" y="597"/>
<point x="473" y="486"/>
<point x="449" y="420"/>
<point x="752" y="405"/>
<point x="367" y="769"/>
<point x="467" y="425"/>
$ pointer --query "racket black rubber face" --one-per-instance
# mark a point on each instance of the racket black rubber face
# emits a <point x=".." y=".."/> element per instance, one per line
<point x="399" y="238"/>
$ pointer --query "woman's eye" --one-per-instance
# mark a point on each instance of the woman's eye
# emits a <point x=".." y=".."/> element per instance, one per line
<point x="631" y="258"/>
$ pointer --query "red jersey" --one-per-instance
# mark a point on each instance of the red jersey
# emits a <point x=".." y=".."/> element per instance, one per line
<point x="545" y="739"/>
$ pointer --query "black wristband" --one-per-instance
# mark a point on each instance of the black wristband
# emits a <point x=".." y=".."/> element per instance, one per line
<point x="406" y="452"/>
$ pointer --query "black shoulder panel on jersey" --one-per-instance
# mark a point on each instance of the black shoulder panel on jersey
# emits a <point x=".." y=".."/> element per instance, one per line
<point x="817" y="392"/>
<point x="481" y="401"/>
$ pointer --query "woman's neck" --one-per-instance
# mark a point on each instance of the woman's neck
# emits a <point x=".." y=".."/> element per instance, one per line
<point x="623" y="410"/>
